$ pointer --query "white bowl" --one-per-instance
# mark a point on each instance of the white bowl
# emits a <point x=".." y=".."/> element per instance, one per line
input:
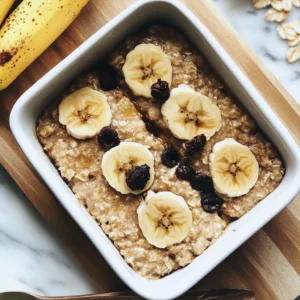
<point x="28" y="108"/>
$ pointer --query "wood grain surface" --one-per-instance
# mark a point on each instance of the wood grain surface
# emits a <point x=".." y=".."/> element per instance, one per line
<point x="201" y="294"/>
<point x="269" y="263"/>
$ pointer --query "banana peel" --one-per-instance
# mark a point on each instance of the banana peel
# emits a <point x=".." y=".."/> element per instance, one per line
<point x="32" y="27"/>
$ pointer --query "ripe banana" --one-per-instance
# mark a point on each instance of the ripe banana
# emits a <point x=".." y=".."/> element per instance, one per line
<point x="123" y="158"/>
<point x="233" y="167"/>
<point x="5" y="6"/>
<point x="84" y="112"/>
<point x="29" y="30"/>
<point x="144" y="66"/>
<point x="164" y="218"/>
<point x="188" y="113"/>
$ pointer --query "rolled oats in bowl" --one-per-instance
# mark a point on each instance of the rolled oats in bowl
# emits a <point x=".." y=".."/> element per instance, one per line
<point x="158" y="151"/>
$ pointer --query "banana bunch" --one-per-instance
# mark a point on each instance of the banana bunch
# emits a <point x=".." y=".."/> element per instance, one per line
<point x="164" y="218"/>
<point x="144" y="65"/>
<point x="233" y="167"/>
<point x="188" y="113"/>
<point x="5" y="6"/>
<point x="29" y="30"/>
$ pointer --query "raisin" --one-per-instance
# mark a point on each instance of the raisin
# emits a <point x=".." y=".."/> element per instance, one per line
<point x="172" y="256"/>
<point x="160" y="90"/>
<point x="170" y="157"/>
<point x="195" y="145"/>
<point x="108" y="138"/>
<point x="211" y="202"/>
<point x="202" y="182"/>
<point x="137" y="177"/>
<point x="185" y="172"/>
<point x="107" y="78"/>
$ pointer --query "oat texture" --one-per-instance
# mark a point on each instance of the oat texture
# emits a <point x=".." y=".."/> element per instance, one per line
<point x="137" y="119"/>
<point x="190" y="67"/>
<point x="79" y="164"/>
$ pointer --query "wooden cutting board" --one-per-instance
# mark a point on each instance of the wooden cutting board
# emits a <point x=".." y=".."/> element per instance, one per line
<point x="269" y="263"/>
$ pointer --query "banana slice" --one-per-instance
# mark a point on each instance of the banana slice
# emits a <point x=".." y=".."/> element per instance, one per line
<point x="123" y="158"/>
<point x="84" y="112"/>
<point x="188" y="113"/>
<point x="144" y="66"/>
<point x="164" y="218"/>
<point x="233" y="167"/>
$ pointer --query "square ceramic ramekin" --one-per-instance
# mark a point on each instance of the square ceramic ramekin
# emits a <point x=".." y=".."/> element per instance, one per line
<point x="26" y="111"/>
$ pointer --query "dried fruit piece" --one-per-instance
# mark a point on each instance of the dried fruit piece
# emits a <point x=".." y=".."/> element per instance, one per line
<point x="202" y="182"/>
<point x="170" y="157"/>
<point x="293" y="54"/>
<point x="195" y="145"/>
<point x="107" y="78"/>
<point x="160" y="90"/>
<point x="108" y="138"/>
<point x="185" y="172"/>
<point x="261" y="3"/>
<point x="137" y="177"/>
<point x="274" y="15"/>
<point x="211" y="202"/>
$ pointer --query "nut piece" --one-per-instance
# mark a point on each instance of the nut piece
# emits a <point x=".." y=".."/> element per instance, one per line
<point x="160" y="90"/>
<point x="185" y="172"/>
<point x="261" y="3"/>
<point x="196" y="145"/>
<point x="273" y="15"/>
<point x="108" y="138"/>
<point x="137" y="177"/>
<point x="170" y="157"/>
<point x="293" y="55"/>
<point x="202" y="182"/>
<point x="211" y="202"/>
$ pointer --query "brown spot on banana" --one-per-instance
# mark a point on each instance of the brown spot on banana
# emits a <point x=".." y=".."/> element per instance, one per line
<point x="5" y="57"/>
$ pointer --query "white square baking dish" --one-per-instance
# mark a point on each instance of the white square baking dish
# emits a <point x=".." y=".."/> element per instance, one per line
<point x="28" y="108"/>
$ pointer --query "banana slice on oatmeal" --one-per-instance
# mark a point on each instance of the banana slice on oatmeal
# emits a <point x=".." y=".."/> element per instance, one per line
<point x="233" y="167"/>
<point x="144" y="66"/>
<point x="129" y="168"/>
<point x="84" y="113"/>
<point x="188" y="113"/>
<point x="164" y="218"/>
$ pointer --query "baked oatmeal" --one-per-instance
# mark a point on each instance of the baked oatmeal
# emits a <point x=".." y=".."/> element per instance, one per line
<point x="191" y="68"/>
<point x="78" y="162"/>
<point x="161" y="155"/>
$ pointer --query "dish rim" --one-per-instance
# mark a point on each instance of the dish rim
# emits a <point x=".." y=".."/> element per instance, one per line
<point x="151" y="291"/>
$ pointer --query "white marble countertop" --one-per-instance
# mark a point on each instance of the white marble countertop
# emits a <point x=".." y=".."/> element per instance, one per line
<point x="31" y="256"/>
